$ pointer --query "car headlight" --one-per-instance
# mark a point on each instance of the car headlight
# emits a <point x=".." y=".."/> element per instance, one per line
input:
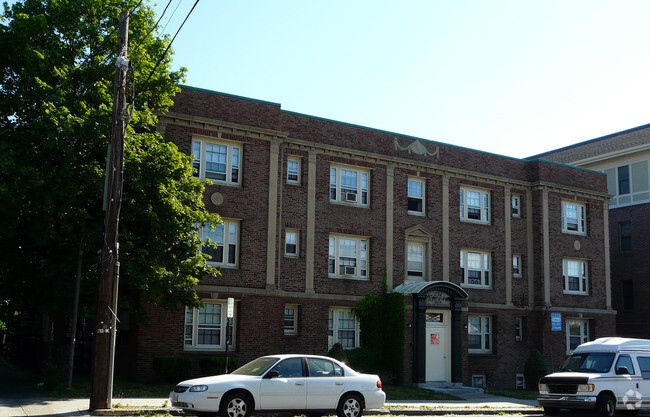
<point x="543" y="387"/>
<point x="198" y="388"/>
<point x="586" y="387"/>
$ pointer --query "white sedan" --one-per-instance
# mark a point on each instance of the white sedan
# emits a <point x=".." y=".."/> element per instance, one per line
<point x="294" y="383"/>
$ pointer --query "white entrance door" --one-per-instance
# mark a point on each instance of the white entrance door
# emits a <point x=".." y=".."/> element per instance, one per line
<point x="438" y="341"/>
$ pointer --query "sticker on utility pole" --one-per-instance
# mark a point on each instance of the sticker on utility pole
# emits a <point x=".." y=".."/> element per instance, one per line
<point x="231" y="307"/>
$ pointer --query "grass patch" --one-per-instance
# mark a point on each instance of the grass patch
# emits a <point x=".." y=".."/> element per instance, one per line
<point x="520" y="394"/>
<point x="121" y="389"/>
<point x="401" y="392"/>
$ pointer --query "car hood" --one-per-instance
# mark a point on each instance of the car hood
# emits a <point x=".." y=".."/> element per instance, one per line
<point x="215" y="379"/>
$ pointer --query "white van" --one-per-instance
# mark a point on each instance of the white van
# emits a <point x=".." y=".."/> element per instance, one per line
<point x="610" y="376"/>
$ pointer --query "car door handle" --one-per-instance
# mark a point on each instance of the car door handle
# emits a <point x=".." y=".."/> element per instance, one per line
<point x="339" y="383"/>
<point x="300" y="384"/>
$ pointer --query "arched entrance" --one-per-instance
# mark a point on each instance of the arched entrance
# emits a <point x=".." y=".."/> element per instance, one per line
<point x="437" y="331"/>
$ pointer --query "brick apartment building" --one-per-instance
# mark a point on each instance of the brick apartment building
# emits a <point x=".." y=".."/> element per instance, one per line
<point x="495" y="256"/>
<point x="624" y="157"/>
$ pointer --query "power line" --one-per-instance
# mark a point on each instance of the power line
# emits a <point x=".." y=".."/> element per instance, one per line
<point x="166" y="50"/>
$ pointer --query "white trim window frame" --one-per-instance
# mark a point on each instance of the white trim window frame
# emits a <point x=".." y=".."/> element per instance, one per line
<point x="478" y="381"/>
<point x="205" y="327"/>
<point x="415" y="196"/>
<point x="415" y="261"/>
<point x="217" y="160"/>
<point x="291" y="243"/>
<point x="519" y="329"/>
<point x="348" y="257"/>
<point x="577" y="333"/>
<point x="349" y="185"/>
<point x="479" y="334"/>
<point x="343" y="327"/>
<point x="290" y="319"/>
<point x="226" y="236"/>
<point x="293" y="170"/>
<point x="574" y="218"/>
<point x="516" y="265"/>
<point x="475" y="269"/>
<point x="474" y="205"/>
<point x="520" y="381"/>
<point x="576" y="276"/>
<point x="623" y="180"/>
<point x="516" y="206"/>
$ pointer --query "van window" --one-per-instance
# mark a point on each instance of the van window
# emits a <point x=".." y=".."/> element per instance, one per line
<point x="597" y="362"/>
<point x="644" y="364"/>
<point x="625" y="360"/>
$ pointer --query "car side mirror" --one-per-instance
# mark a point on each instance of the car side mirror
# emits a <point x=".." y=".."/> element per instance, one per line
<point x="622" y="370"/>
<point x="272" y="374"/>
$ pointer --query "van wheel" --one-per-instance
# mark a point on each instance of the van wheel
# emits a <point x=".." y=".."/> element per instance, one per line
<point x="551" y="411"/>
<point x="606" y="405"/>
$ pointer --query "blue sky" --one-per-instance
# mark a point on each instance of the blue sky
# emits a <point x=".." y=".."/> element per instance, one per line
<point x="515" y="78"/>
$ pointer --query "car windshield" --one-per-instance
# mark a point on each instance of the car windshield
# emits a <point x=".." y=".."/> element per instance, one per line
<point x="597" y="362"/>
<point x="256" y="367"/>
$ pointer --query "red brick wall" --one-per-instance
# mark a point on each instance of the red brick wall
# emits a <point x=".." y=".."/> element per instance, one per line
<point x="260" y="309"/>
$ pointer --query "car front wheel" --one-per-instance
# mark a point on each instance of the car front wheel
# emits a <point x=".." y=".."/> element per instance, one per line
<point x="350" y="406"/>
<point x="236" y="405"/>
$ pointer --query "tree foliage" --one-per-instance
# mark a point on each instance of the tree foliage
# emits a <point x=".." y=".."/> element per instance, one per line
<point x="56" y="94"/>
<point x="382" y="320"/>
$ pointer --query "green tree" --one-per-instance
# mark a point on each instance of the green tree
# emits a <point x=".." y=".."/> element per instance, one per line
<point x="58" y="66"/>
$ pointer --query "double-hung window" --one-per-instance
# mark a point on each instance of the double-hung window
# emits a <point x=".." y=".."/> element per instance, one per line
<point x="293" y="170"/>
<point x="573" y="217"/>
<point x="290" y="319"/>
<point x="516" y="206"/>
<point x="625" y="235"/>
<point x="205" y="326"/>
<point x="577" y="333"/>
<point x="348" y="257"/>
<point x="575" y="276"/>
<point x="415" y="262"/>
<point x="226" y="237"/>
<point x="415" y="196"/>
<point x="291" y="243"/>
<point x="475" y="205"/>
<point x="343" y="328"/>
<point x="516" y="266"/>
<point x="479" y="338"/>
<point x="219" y="161"/>
<point x="475" y="269"/>
<point x="349" y="185"/>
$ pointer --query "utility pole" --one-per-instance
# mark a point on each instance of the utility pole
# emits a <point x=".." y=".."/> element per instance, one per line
<point x="101" y="392"/>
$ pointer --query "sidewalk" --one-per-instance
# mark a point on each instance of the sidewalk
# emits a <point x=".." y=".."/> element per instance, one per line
<point x="18" y="399"/>
<point x="475" y="402"/>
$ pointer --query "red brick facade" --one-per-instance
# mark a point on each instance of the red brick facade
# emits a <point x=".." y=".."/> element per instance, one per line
<point x="265" y="280"/>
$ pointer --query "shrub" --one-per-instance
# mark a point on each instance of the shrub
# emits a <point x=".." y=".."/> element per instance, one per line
<point x="337" y="352"/>
<point x="216" y="365"/>
<point x="379" y="316"/>
<point x="52" y="375"/>
<point x="363" y="360"/>
<point x="172" y="368"/>
<point x="534" y="369"/>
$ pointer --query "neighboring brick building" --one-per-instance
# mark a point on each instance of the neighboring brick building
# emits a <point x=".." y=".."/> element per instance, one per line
<point x="624" y="157"/>
<point x="486" y="249"/>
